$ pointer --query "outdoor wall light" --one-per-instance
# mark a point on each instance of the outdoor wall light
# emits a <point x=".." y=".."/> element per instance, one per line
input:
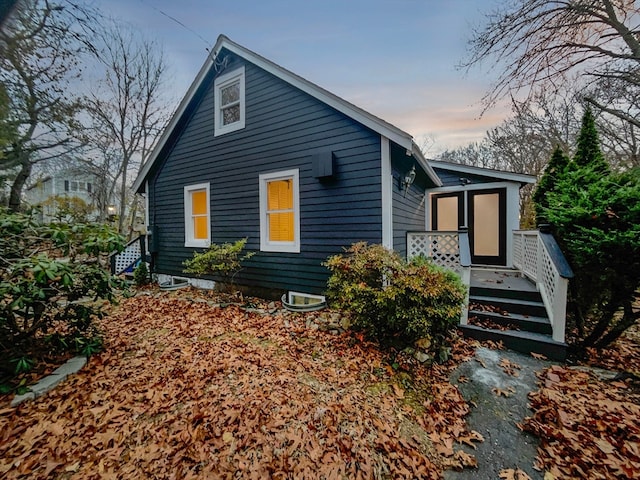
<point x="409" y="179"/>
<point x="111" y="212"/>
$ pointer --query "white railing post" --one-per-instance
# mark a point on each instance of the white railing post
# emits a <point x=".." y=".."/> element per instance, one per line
<point x="560" y="310"/>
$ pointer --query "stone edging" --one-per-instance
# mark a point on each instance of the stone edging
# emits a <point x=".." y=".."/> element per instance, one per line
<point x="50" y="381"/>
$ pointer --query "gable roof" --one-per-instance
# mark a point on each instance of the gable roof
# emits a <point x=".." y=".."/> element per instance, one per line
<point x="521" y="178"/>
<point x="376" y="124"/>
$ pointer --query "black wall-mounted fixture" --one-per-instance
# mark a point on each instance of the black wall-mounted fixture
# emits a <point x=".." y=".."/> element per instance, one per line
<point x="324" y="165"/>
<point x="409" y="179"/>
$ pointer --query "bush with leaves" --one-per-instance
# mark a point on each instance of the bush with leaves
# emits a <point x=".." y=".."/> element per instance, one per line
<point x="141" y="274"/>
<point x="395" y="302"/>
<point x="595" y="217"/>
<point x="53" y="284"/>
<point x="223" y="260"/>
<point x="68" y="209"/>
<point x="596" y="220"/>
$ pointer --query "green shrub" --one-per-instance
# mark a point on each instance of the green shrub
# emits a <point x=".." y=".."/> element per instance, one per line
<point x="224" y="260"/>
<point x="392" y="301"/>
<point x="596" y="220"/>
<point x="53" y="284"/>
<point x="141" y="275"/>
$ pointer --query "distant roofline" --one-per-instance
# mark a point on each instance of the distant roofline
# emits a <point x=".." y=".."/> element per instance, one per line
<point x="367" y="119"/>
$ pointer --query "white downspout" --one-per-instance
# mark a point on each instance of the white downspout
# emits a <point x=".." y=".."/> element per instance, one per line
<point x="387" y="193"/>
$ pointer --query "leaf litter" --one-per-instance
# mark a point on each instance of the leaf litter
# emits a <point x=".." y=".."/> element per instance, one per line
<point x="588" y="427"/>
<point x="185" y="389"/>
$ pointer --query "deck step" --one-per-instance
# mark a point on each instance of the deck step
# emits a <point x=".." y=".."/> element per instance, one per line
<point x="520" y="341"/>
<point x="523" y="307"/>
<point x="521" y="322"/>
<point x="493" y="292"/>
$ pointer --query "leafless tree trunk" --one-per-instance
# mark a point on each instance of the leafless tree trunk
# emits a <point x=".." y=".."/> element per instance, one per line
<point x="126" y="108"/>
<point x="39" y="49"/>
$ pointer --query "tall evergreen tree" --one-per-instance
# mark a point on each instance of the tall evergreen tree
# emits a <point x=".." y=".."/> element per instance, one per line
<point x="555" y="169"/>
<point x="588" y="152"/>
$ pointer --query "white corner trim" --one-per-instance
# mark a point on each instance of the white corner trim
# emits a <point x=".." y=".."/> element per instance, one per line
<point x="386" y="176"/>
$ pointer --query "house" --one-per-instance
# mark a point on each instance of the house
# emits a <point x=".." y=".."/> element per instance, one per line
<point x="256" y="151"/>
<point x="68" y="183"/>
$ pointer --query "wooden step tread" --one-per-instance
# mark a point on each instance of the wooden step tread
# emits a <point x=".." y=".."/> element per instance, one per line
<point x="502" y="300"/>
<point x="519" y="340"/>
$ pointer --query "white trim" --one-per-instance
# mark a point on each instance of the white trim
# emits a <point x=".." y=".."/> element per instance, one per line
<point x="378" y="125"/>
<point x="291" y="294"/>
<point x="221" y="82"/>
<point x="386" y="176"/>
<point x="487" y="172"/>
<point x="470" y="186"/>
<point x="189" y="241"/>
<point x="265" y="244"/>
<point x="146" y="207"/>
<point x="425" y="164"/>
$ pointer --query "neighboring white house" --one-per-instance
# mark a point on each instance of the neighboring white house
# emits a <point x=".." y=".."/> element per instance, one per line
<point x="66" y="183"/>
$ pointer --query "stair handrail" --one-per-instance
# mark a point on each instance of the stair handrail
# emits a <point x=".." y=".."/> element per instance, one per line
<point x="538" y="256"/>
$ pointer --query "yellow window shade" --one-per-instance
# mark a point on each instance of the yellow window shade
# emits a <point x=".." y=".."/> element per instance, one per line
<point x="281" y="227"/>
<point x="199" y="202"/>
<point x="200" y="228"/>
<point x="279" y="195"/>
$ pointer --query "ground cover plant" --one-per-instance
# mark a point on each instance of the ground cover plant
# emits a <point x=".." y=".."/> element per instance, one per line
<point x="53" y="284"/>
<point x="188" y="389"/>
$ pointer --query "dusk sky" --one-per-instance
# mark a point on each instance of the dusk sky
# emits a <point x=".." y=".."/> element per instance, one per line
<point x="394" y="58"/>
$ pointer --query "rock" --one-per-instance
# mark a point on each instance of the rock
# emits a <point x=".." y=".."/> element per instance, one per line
<point x="421" y="356"/>
<point x="599" y="373"/>
<point x="345" y="322"/>
<point x="424" y="343"/>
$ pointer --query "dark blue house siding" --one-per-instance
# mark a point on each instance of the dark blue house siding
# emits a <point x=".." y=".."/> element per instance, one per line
<point x="409" y="208"/>
<point x="284" y="128"/>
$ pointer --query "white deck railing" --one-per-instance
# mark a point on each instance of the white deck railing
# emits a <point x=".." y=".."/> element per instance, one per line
<point x="447" y="249"/>
<point x="131" y="254"/>
<point x="537" y="255"/>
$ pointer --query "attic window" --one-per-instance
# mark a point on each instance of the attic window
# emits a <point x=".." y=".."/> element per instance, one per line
<point x="229" y="102"/>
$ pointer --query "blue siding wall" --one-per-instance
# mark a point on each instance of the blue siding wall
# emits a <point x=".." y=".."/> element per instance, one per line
<point x="284" y="127"/>
<point x="409" y="208"/>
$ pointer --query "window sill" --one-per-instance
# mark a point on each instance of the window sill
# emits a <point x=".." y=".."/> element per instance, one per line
<point x="286" y="248"/>
<point x="197" y="244"/>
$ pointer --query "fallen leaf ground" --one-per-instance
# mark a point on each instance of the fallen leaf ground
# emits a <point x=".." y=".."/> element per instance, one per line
<point x="590" y="427"/>
<point x="185" y="389"/>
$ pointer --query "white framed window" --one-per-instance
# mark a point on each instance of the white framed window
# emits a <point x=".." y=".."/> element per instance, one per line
<point x="197" y="216"/>
<point x="229" y="102"/>
<point x="280" y="211"/>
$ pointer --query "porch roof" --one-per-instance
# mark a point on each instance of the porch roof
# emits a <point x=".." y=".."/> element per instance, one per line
<point x="500" y="175"/>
